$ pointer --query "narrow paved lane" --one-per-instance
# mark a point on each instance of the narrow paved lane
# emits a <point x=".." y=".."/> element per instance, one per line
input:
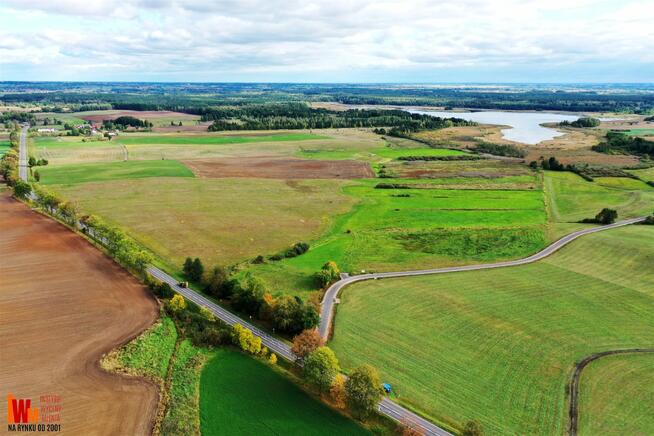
<point x="22" y="154"/>
<point x="329" y="300"/>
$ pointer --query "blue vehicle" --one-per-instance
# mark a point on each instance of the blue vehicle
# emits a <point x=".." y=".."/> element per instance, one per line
<point x="387" y="388"/>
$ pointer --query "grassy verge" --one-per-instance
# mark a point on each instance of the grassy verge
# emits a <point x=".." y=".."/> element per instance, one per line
<point x="499" y="345"/>
<point x="149" y="354"/>
<point x="182" y="417"/>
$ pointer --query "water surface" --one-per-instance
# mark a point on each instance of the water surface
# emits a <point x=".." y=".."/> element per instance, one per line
<point x="525" y="126"/>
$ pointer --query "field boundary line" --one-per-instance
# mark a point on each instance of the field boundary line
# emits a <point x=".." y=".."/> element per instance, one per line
<point x="573" y="389"/>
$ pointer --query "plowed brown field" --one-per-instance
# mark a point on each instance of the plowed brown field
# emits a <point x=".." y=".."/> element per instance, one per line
<point x="277" y="168"/>
<point x="63" y="304"/>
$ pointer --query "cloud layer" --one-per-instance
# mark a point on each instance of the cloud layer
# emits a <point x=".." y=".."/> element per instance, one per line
<point x="305" y="40"/>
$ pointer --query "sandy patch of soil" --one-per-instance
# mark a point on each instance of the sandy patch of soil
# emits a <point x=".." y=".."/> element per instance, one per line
<point x="279" y="168"/>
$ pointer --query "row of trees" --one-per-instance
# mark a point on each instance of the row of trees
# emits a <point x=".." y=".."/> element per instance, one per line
<point x="618" y="142"/>
<point x="126" y="121"/>
<point x="248" y="294"/>
<point x="360" y="392"/>
<point x="301" y="116"/>
<point x="9" y="162"/>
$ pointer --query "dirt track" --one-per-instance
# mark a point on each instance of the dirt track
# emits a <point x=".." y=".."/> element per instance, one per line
<point x="63" y="304"/>
<point x="279" y="168"/>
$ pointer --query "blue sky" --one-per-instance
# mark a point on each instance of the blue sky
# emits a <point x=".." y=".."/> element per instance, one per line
<point x="418" y="41"/>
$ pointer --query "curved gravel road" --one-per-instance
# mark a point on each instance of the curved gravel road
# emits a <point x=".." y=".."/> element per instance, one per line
<point x="329" y="300"/>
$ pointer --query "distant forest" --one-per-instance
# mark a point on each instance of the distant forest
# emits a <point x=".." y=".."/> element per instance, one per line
<point x="196" y="98"/>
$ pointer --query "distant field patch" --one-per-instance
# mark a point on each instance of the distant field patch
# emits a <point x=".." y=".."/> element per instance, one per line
<point x="646" y="174"/>
<point x="242" y="396"/>
<point x="572" y="198"/>
<point x="394" y="153"/>
<point x="98" y="172"/>
<point x="616" y="396"/>
<point x="640" y="132"/>
<point x="280" y="168"/>
<point x="213" y="139"/>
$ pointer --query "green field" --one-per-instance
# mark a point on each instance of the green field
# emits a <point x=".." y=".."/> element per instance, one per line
<point x="640" y="132"/>
<point x="391" y="229"/>
<point x="499" y="345"/>
<point x="571" y="198"/>
<point x="242" y="396"/>
<point x="99" y="172"/>
<point x="616" y="396"/>
<point x="4" y="147"/>
<point x="645" y="174"/>
<point x="128" y="139"/>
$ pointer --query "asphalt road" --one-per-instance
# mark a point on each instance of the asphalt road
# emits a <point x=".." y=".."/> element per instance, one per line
<point x="329" y="300"/>
<point x="22" y="154"/>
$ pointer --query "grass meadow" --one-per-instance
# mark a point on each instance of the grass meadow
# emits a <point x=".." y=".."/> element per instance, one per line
<point x="499" y="345"/>
<point x="571" y="198"/>
<point x="223" y="221"/>
<point x="393" y="229"/>
<point x="72" y="174"/>
<point x="645" y="174"/>
<point x="243" y="396"/>
<point x="616" y="396"/>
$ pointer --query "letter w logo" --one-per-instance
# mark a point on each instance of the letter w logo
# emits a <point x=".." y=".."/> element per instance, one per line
<point x="19" y="411"/>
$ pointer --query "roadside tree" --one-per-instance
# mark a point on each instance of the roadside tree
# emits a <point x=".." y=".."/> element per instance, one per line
<point x="364" y="391"/>
<point x="320" y="368"/>
<point x="305" y="343"/>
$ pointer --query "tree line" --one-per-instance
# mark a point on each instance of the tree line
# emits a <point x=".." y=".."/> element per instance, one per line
<point x="618" y="142"/>
<point x="300" y="116"/>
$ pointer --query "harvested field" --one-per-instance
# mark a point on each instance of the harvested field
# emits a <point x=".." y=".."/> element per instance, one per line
<point x="279" y="168"/>
<point x="63" y="304"/>
<point x="484" y="168"/>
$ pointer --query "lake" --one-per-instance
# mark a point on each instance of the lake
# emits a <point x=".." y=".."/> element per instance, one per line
<point x="525" y="126"/>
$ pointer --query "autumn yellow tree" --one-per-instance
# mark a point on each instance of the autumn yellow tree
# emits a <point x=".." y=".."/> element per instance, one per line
<point x="337" y="391"/>
<point x="177" y="304"/>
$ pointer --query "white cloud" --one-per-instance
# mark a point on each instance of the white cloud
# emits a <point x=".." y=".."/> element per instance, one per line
<point x="294" y="36"/>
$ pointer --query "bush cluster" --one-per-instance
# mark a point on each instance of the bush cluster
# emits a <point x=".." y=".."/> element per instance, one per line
<point x="581" y="122"/>
<point x="296" y="250"/>
<point x="249" y="295"/>
<point x="500" y="150"/>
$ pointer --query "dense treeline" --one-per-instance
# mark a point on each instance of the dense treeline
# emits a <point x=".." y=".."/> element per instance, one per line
<point x="500" y="149"/>
<point x="618" y="142"/>
<point x="301" y="116"/>
<point x="248" y="294"/>
<point x="192" y="98"/>
<point x="9" y="162"/>
<point x="584" y="122"/>
<point x="21" y="117"/>
<point x="125" y="122"/>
